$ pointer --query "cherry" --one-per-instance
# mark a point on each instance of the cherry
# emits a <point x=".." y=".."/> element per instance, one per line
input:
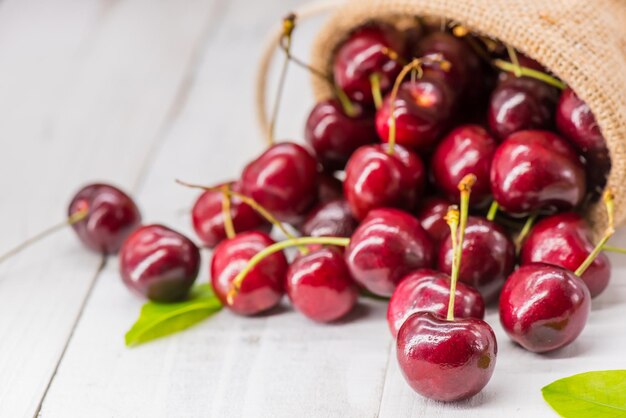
<point x="422" y="109"/>
<point x="565" y="240"/>
<point x="375" y="178"/>
<point x="159" y="263"/>
<point x="544" y="307"/>
<point x="329" y="188"/>
<point x="283" y="180"/>
<point x="467" y="149"/>
<point x="262" y="288"/>
<point x="488" y="256"/>
<point x="426" y="290"/>
<point x="446" y="360"/>
<point x="111" y="215"/>
<point x="431" y="216"/>
<point x="536" y="171"/>
<point x="319" y="285"/>
<point x="330" y="219"/>
<point x="207" y="216"/>
<point x="387" y="245"/>
<point x="366" y="52"/>
<point x="334" y="136"/>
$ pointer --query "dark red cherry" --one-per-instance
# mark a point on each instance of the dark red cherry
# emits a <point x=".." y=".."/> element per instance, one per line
<point x="544" y="307"/>
<point x="446" y="360"/>
<point x="426" y="290"/>
<point x="488" y="256"/>
<point x="283" y="180"/>
<point x="422" y="109"/>
<point x="330" y="219"/>
<point x="519" y="104"/>
<point x="159" y="263"/>
<point x="387" y="245"/>
<point x="362" y="55"/>
<point x="111" y="217"/>
<point x="565" y="240"/>
<point x="319" y="285"/>
<point x="468" y="149"/>
<point x="262" y="287"/>
<point x="536" y="171"/>
<point x="207" y="216"/>
<point x="431" y="216"/>
<point x="329" y="188"/>
<point x="334" y="136"/>
<point x="376" y="179"/>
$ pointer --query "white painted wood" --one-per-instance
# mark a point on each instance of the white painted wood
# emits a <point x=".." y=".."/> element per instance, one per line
<point x="85" y="89"/>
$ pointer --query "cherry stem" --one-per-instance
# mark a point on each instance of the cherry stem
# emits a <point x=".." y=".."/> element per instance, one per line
<point x="71" y="220"/>
<point x="610" y="230"/>
<point x="529" y="72"/>
<point x="274" y="248"/>
<point x="452" y="219"/>
<point x="229" y="227"/>
<point x="376" y="93"/>
<point x="513" y="57"/>
<point x="460" y="31"/>
<point x="348" y="107"/>
<point x="613" y="249"/>
<point x="493" y="210"/>
<point x="525" y="230"/>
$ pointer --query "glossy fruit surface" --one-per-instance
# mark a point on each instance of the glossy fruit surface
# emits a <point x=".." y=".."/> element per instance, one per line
<point x="159" y="263"/>
<point x="112" y="216"/>
<point x="426" y="290"/>
<point x="262" y="287"/>
<point x="330" y="219"/>
<point x="431" y="216"/>
<point x="544" y="307"/>
<point x="387" y="245"/>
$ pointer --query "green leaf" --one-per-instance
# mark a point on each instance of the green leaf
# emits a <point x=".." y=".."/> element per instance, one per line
<point x="160" y="319"/>
<point x="600" y="394"/>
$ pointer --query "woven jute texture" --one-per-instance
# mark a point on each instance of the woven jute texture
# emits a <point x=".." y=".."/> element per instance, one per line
<point x="583" y="42"/>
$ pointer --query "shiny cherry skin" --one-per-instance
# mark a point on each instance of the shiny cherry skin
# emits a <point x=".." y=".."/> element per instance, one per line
<point x="262" y="287"/>
<point x="422" y="109"/>
<point x="319" y="285"/>
<point x="544" y="307"/>
<point x="446" y="360"/>
<point x="283" y="180"/>
<point x="386" y="246"/>
<point x="431" y="216"/>
<point x="334" y="136"/>
<point x="468" y="149"/>
<point x="112" y="216"/>
<point x="159" y="263"/>
<point x="487" y="260"/>
<point x="363" y="54"/>
<point x="565" y="240"/>
<point x="376" y="179"/>
<point x="330" y="219"/>
<point x="535" y="171"/>
<point x="426" y="290"/>
<point x="207" y="216"/>
<point x="519" y="104"/>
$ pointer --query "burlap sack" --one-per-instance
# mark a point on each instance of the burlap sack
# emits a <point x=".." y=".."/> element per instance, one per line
<point x="583" y="42"/>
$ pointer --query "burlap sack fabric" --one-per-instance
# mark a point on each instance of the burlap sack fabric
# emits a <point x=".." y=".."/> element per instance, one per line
<point x="583" y="42"/>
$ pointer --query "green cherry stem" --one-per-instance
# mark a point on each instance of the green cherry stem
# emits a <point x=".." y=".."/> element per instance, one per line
<point x="610" y="230"/>
<point x="229" y="227"/>
<point x="529" y="72"/>
<point x="376" y="93"/>
<point x="513" y="57"/>
<point x="493" y="210"/>
<point x="274" y="248"/>
<point x="525" y="230"/>
<point x="613" y="249"/>
<point x="452" y="219"/>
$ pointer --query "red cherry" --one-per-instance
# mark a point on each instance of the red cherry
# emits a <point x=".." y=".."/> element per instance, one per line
<point x="387" y="245"/>
<point x="283" y="180"/>
<point x="364" y="54"/>
<point x="536" y="170"/>
<point x="422" y="111"/>
<point x="334" y="136"/>
<point x="565" y="240"/>
<point x="376" y="179"/>
<point x="426" y="290"/>
<point x="319" y="285"/>
<point x="262" y="287"/>
<point x="330" y="219"/>
<point x="446" y="360"/>
<point x="159" y="263"/>
<point x="111" y="217"/>
<point x="208" y="217"/>
<point x="544" y="307"/>
<point x="431" y="216"/>
<point x="329" y="188"/>
<point x="488" y="256"/>
<point x="468" y="149"/>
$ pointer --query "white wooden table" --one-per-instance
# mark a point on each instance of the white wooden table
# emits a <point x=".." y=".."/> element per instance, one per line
<point x="138" y="93"/>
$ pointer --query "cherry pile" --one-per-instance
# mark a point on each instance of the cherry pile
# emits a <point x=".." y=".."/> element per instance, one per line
<point x="442" y="158"/>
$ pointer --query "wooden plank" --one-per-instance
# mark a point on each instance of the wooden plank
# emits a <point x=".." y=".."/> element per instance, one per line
<point x="85" y="89"/>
